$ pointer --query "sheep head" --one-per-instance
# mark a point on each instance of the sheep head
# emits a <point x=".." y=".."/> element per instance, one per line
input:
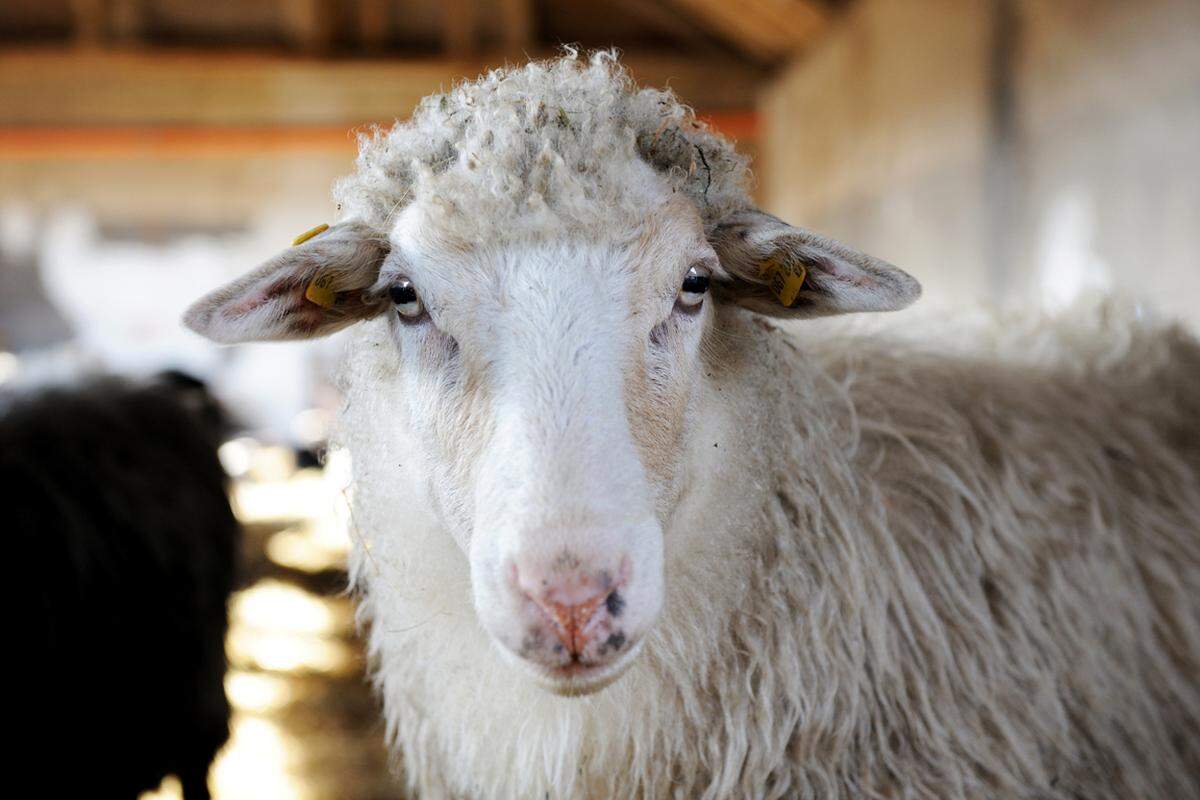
<point x="546" y="314"/>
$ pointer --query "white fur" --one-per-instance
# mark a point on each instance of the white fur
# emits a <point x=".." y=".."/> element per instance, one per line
<point x="899" y="573"/>
<point x="541" y="148"/>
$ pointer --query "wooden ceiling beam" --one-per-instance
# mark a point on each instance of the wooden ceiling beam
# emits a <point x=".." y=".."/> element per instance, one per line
<point x="308" y="24"/>
<point x="101" y="23"/>
<point x="698" y="39"/>
<point x="89" y="22"/>
<point x="128" y="21"/>
<point x="458" y="28"/>
<point x="61" y="144"/>
<point x="373" y="20"/>
<point x="764" y="30"/>
<point x="516" y="22"/>
<point x="97" y="88"/>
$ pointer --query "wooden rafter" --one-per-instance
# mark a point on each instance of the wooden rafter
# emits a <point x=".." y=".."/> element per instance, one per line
<point x="698" y="37"/>
<point x="516" y="19"/>
<point x="373" y="20"/>
<point x="764" y="30"/>
<point x="89" y="20"/>
<point x="458" y="28"/>
<point x="66" y="88"/>
<point x="307" y="23"/>
<point x="63" y="143"/>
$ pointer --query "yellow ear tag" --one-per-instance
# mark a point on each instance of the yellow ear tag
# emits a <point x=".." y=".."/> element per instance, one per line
<point x="304" y="237"/>
<point x="321" y="292"/>
<point x="785" y="279"/>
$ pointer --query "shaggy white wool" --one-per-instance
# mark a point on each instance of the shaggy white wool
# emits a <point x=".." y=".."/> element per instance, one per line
<point x="540" y="148"/>
<point x="897" y="570"/>
<point x="902" y="573"/>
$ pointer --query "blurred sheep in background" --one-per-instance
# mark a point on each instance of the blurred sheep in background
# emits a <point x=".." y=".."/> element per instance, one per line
<point x="125" y="552"/>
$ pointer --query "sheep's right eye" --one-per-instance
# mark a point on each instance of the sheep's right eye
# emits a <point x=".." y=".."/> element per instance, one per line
<point x="695" y="286"/>
<point x="404" y="296"/>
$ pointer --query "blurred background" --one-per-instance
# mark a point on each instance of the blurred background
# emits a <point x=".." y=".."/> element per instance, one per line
<point x="1006" y="152"/>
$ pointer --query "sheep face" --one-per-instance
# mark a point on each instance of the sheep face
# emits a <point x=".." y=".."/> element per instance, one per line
<point x="546" y="383"/>
<point x="532" y="254"/>
<point x="538" y="389"/>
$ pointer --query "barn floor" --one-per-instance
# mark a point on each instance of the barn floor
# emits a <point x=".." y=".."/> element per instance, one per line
<point x="305" y="724"/>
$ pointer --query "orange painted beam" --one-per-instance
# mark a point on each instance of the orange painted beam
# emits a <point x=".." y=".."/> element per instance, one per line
<point x="741" y="126"/>
<point x="173" y="141"/>
<point x="168" y="141"/>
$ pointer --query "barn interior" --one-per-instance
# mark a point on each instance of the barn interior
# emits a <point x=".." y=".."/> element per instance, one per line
<point x="1011" y="154"/>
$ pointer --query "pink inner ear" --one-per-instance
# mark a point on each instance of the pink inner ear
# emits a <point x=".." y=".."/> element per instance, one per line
<point x="837" y="269"/>
<point x="244" y="307"/>
<point x="305" y="320"/>
<point x="271" y="293"/>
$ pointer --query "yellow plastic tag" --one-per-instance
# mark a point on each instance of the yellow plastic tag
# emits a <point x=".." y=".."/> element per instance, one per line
<point x="321" y="292"/>
<point x="304" y="237"/>
<point x="785" y="279"/>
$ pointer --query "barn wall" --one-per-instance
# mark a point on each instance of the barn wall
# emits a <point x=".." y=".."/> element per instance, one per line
<point x="1007" y="151"/>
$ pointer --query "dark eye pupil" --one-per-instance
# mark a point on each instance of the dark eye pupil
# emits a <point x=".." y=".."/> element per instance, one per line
<point x="402" y="294"/>
<point x="695" y="284"/>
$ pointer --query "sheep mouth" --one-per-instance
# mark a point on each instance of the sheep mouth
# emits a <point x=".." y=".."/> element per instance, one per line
<point x="576" y="678"/>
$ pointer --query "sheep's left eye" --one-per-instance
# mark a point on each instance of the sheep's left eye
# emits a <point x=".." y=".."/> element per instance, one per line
<point x="695" y="286"/>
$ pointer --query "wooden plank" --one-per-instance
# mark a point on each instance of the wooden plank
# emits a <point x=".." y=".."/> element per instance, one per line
<point x="458" y="28"/>
<point x="765" y="30"/>
<point x="695" y="37"/>
<point x="308" y="24"/>
<point x="89" y="19"/>
<point x="25" y="143"/>
<point x="516" y="21"/>
<point x="69" y="88"/>
<point x="373" y="18"/>
<point x="132" y="175"/>
<point x="128" y="20"/>
<point x="123" y="142"/>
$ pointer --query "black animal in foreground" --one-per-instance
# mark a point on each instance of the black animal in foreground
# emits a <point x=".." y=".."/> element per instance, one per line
<point x="122" y="550"/>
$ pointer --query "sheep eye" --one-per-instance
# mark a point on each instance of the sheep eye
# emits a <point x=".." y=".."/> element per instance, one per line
<point x="695" y="286"/>
<point x="404" y="295"/>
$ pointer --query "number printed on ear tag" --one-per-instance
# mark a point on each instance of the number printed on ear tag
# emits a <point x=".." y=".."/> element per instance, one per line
<point x="321" y="292"/>
<point x="785" y="279"/>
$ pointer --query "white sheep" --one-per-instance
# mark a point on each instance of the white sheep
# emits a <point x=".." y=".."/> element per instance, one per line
<point x="618" y="535"/>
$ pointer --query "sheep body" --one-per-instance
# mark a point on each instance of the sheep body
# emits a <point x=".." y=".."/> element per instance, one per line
<point x="899" y="570"/>
<point x="901" y="573"/>
<point x="117" y="511"/>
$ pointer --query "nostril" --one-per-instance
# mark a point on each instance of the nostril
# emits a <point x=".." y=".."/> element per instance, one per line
<point x="615" y="603"/>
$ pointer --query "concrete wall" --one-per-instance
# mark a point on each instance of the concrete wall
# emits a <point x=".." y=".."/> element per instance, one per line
<point x="1005" y="151"/>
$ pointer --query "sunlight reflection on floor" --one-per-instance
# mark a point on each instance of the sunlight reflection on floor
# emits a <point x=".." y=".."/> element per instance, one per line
<point x="305" y="726"/>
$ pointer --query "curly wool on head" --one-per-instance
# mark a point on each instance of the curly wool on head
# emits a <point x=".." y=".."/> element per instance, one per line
<point x="542" y="145"/>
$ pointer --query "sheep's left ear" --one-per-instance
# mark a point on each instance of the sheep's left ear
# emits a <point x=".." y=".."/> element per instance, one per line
<point x="783" y="271"/>
<point x="319" y="285"/>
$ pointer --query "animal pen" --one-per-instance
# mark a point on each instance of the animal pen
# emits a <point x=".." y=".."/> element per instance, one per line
<point x="583" y="473"/>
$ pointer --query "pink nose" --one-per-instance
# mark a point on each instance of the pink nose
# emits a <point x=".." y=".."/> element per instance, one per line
<point x="571" y="621"/>
<point x="577" y="604"/>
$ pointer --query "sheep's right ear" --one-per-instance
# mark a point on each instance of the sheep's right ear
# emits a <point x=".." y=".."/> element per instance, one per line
<point x="318" y="286"/>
